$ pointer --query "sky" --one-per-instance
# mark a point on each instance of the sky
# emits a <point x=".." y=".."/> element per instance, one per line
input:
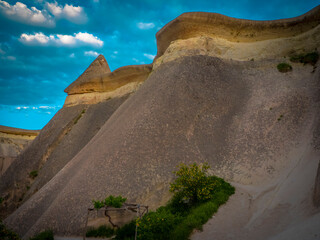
<point x="46" y="45"/>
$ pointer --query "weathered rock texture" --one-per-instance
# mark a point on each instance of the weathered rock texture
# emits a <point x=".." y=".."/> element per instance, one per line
<point x="96" y="69"/>
<point x="195" y="24"/>
<point x="12" y="142"/>
<point x="102" y="87"/>
<point x="255" y="126"/>
<point x="68" y="132"/>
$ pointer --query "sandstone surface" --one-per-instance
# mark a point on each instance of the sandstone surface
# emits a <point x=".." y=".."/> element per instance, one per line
<point x="118" y="83"/>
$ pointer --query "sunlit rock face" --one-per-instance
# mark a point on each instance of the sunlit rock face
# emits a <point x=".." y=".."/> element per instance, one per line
<point x="102" y="87"/>
<point x="213" y="94"/>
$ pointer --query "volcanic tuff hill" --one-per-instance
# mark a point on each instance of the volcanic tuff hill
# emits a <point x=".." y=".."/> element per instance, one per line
<point x="12" y="142"/>
<point x="213" y="94"/>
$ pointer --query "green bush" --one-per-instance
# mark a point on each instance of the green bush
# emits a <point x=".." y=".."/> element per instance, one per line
<point x="192" y="183"/>
<point x="110" y="201"/>
<point x="98" y="204"/>
<point x="116" y="202"/>
<point x="45" y="235"/>
<point x="157" y="225"/>
<point x="284" y="67"/>
<point x="102" y="231"/>
<point x="127" y="231"/>
<point x="196" y="198"/>
<point x="309" y="58"/>
<point x="33" y="174"/>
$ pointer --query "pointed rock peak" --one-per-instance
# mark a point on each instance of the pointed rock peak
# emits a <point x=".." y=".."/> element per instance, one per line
<point x="96" y="69"/>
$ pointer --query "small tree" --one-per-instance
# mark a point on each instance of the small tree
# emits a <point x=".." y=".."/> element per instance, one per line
<point x="193" y="184"/>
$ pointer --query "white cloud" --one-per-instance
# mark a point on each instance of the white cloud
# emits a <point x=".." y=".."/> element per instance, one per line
<point x="145" y="26"/>
<point x="22" y="107"/>
<point x="69" y="12"/>
<point x="38" y="37"/>
<point x="21" y="13"/>
<point x="66" y="39"/>
<point x="77" y="39"/>
<point x="89" y="38"/>
<point x="149" y="56"/>
<point x="91" y="53"/>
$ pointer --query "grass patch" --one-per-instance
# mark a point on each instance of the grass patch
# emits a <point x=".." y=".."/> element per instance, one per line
<point x="33" y="174"/>
<point x="308" y="58"/>
<point x="284" y="67"/>
<point x="102" y="231"/>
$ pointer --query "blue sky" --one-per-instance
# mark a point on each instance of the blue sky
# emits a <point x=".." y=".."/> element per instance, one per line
<point x="46" y="45"/>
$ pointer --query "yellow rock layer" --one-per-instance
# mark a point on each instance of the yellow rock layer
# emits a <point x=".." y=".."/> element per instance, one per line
<point x="122" y="81"/>
<point x="196" y="24"/>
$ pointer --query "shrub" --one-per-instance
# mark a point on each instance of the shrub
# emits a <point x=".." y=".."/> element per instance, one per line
<point x="110" y="201"/>
<point x="284" y="67"/>
<point x="156" y="225"/>
<point x="33" y="174"/>
<point x="127" y="231"/>
<point x="98" y="204"/>
<point x="192" y="184"/>
<point x="116" y="202"/>
<point x="309" y="58"/>
<point x="196" y="198"/>
<point x="45" y="235"/>
<point x="102" y="231"/>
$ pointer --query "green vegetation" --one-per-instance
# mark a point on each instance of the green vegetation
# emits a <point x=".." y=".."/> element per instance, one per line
<point x="284" y="67"/>
<point x="102" y="231"/>
<point x="110" y="201"/>
<point x="197" y="196"/>
<point x="192" y="184"/>
<point x="1" y="200"/>
<point x="6" y="234"/>
<point x="45" y="235"/>
<point x="126" y="232"/>
<point x="279" y="118"/>
<point x="308" y="58"/>
<point x="33" y="174"/>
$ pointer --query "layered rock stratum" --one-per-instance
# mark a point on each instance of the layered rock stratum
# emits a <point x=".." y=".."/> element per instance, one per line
<point x="12" y="142"/>
<point x="213" y="94"/>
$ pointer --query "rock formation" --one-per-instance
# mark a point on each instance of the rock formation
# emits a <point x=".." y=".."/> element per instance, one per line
<point x="12" y="142"/>
<point x="83" y="114"/>
<point x="214" y="95"/>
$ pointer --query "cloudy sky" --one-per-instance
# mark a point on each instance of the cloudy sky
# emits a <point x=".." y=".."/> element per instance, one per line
<point x="46" y="45"/>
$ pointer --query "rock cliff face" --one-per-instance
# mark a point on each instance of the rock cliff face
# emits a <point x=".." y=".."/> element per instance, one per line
<point x="257" y="127"/>
<point x="98" y="84"/>
<point x="12" y="142"/>
<point x="91" y="100"/>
